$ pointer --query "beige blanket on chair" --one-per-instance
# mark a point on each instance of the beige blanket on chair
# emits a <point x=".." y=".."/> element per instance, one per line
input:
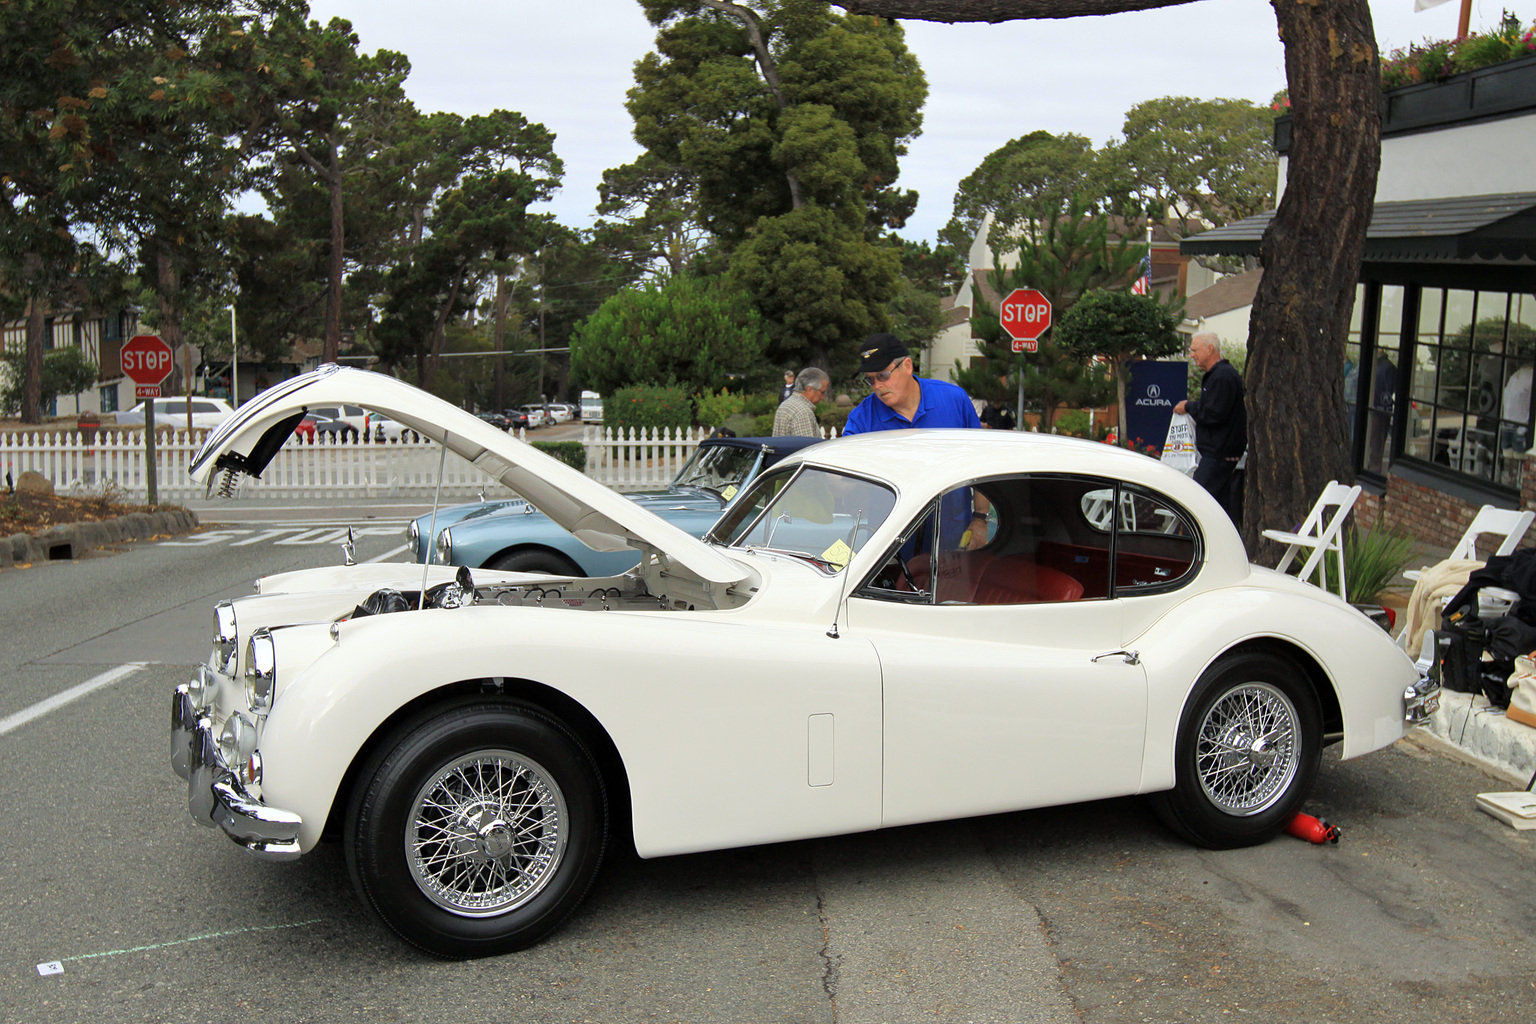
<point x="1436" y="584"/>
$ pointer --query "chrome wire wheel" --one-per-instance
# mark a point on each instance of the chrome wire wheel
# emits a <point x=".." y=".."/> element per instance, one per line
<point x="1248" y="748"/>
<point x="486" y="833"/>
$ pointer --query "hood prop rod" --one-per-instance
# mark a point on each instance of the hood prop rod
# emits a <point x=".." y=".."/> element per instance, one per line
<point x="437" y="494"/>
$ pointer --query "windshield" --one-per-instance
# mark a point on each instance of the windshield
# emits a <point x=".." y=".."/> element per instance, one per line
<point x="820" y="515"/>
<point x="721" y="468"/>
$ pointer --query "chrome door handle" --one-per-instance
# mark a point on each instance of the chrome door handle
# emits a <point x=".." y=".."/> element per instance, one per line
<point x="1131" y="657"/>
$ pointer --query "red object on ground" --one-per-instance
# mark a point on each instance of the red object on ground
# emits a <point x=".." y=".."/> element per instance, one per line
<point x="1313" y="830"/>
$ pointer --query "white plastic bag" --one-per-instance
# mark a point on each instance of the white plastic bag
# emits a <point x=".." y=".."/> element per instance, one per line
<point x="1179" y="448"/>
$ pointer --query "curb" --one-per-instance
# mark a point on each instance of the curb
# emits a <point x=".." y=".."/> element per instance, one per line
<point x="1484" y="734"/>
<point x="71" y="540"/>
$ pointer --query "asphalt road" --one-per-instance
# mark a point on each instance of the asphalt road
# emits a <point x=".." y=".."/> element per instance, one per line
<point x="1424" y="912"/>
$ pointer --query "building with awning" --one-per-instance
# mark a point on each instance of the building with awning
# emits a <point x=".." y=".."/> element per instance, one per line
<point x="1439" y="358"/>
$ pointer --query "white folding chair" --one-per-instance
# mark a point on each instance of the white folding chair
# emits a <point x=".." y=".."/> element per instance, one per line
<point x="1318" y="536"/>
<point x="1509" y="522"/>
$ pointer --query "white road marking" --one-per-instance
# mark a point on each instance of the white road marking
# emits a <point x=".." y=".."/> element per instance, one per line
<point x="57" y="966"/>
<point x="388" y="554"/>
<point x="58" y="700"/>
<point x="303" y="535"/>
<point x="266" y="535"/>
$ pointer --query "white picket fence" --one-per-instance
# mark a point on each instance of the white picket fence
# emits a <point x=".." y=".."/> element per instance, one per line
<point x="343" y="469"/>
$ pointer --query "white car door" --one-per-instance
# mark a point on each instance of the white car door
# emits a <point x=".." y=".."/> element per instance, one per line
<point x="1005" y="681"/>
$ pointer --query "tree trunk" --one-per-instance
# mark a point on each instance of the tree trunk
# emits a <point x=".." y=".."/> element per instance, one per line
<point x="167" y="292"/>
<point x="32" y="377"/>
<point x="952" y="11"/>
<point x="1298" y="437"/>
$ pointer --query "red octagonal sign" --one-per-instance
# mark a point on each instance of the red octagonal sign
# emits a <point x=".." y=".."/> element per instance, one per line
<point x="1025" y="314"/>
<point x="146" y="359"/>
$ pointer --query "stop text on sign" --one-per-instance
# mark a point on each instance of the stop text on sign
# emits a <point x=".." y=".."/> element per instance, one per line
<point x="146" y="359"/>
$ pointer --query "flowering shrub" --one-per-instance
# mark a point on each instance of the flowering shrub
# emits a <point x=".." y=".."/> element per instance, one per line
<point x="1437" y="59"/>
<point x="1434" y="60"/>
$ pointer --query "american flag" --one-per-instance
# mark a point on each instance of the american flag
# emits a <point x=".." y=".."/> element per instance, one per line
<point x="1143" y="285"/>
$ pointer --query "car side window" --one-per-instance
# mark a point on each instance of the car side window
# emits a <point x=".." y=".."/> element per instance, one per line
<point x="1049" y="538"/>
<point x="1158" y="548"/>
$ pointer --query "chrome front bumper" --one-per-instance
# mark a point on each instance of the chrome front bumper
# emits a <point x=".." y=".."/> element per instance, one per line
<point x="216" y="796"/>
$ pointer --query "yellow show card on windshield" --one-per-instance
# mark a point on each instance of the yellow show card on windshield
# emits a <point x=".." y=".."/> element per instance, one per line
<point x="838" y="554"/>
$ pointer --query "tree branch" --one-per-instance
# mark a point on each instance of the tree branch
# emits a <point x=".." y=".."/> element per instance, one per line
<point x="952" y="11"/>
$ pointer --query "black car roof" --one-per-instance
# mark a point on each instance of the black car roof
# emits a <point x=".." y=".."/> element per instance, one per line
<point x="778" y="447"/>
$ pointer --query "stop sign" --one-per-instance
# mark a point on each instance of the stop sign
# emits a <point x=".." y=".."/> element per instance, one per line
<point x="146" y="359"/>
<point x="1025" y="314"/>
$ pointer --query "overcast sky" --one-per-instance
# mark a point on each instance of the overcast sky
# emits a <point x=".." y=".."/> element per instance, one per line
<point x="569" y="64"/>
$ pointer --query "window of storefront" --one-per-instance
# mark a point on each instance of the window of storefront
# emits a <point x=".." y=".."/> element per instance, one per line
<point x="1449" y="382"/>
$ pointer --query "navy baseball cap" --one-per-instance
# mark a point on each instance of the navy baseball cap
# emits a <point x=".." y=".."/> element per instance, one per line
<point x="880" y="351"/>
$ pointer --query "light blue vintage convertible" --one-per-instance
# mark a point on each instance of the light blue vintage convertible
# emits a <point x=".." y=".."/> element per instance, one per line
<point x="511" y="534"/>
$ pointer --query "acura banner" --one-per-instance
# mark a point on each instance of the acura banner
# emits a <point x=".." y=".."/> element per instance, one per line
<point x="1155" y="387"/>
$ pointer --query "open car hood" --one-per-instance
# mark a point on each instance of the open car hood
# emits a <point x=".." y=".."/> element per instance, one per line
<point x="245" y="443"/>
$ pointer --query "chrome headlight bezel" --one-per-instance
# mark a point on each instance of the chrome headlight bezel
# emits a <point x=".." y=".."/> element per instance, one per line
<point x="260" y="671"/>
<point x="236" y="743"/>
<point x="226" y="637"/>
<point x="444" y="555"/>
<point x="202" y="687"/>
<point x="413" y="535"/>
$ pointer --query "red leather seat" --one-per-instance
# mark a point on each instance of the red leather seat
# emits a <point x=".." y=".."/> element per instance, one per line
<point x="1018" y="579"/>
<point x="960" y="573"/>
<point x="978" y="577"/>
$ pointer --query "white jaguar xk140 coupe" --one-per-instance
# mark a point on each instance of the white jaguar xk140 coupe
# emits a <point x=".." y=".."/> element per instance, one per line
<point x="885" y="629"/>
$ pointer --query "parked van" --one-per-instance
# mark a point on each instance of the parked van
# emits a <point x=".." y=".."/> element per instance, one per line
<point x="591" y="407"/>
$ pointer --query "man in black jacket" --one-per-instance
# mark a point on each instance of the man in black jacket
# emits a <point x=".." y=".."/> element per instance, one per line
<point x="1221" y="420"/>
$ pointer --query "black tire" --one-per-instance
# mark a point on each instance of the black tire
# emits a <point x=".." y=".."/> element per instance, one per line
<point x="1247" y="753"/>
<point x="478" y="830"/>
<point x="535" y="560"/>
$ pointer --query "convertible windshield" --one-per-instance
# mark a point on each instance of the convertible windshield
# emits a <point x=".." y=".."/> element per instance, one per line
<point x="820" y="515"/>
<point x="720" y="468"/>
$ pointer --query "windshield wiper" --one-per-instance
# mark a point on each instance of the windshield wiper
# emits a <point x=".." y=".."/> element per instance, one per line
<point x="821" y="563"/>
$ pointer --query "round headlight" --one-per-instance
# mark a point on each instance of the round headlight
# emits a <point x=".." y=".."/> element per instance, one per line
<point x="237" y="741"/>
<point x="413" y="534"/>
<point x="260" y="671"/>
<point x="445" y="548"/>
<point x="226" y="637"/>
<point x="201" y="687"/>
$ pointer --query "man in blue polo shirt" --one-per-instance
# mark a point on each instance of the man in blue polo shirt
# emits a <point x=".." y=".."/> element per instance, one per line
<point x="902" y="399"/>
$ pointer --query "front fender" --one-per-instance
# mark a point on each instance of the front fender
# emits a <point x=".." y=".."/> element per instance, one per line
<point x="378" y="664"/>
<point x="713" y="758"/>
<point x="1365" y="670"/>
